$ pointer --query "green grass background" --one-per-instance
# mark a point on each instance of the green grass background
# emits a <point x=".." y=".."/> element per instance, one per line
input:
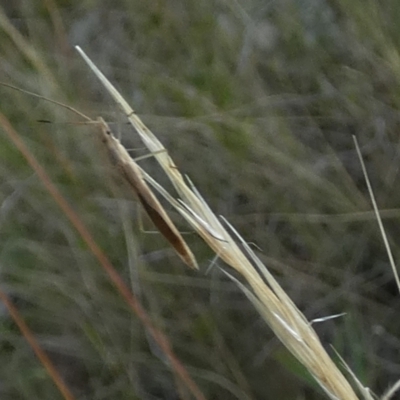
<point x="256" y="101"/>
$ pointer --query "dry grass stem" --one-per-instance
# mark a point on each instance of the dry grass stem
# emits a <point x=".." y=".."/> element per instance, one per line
<point x="391" y="391"/>
<point x="176" y="366"/>
<point x="377" y="215"/>
<point x="26" y="49"/>
<point x="288" y="323"/>
<point x="35" y="346"/>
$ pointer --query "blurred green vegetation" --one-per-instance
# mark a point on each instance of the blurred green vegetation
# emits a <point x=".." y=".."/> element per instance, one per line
<point x="257" y="102"/>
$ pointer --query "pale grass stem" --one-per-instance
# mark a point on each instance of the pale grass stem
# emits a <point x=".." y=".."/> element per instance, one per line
<point x="176" y="366"/>
<point x="282" y="315"/>
<point x="377" y="214"/>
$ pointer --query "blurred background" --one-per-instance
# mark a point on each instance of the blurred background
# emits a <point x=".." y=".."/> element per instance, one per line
<point x="257" y="102"/>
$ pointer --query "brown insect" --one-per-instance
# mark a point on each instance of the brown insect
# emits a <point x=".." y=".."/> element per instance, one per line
<point x="131" y="172"/>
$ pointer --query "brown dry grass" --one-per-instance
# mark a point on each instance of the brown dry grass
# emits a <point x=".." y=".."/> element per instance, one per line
<point x="285" y="319"/>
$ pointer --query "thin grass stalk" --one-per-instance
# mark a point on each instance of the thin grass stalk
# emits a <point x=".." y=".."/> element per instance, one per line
<point x="26" y="49"/>
<point x="123" y="289"/>
<point x="35" y="346"/>
<point x="285" y="319"/>
<point x="377" y="214"/>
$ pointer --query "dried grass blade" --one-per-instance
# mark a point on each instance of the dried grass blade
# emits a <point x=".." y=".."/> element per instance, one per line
<point x="40" y="353"/>
<point x="377" y="214"/>
<point x="279" y="311"/>
<point x="152" y="143"/>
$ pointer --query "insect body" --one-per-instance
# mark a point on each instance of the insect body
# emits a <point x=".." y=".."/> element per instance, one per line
<point x="131" y="172"/>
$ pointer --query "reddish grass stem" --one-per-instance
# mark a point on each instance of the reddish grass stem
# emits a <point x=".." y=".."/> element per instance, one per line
<point x="41" y="355"/>
<point x="129" y="297"/>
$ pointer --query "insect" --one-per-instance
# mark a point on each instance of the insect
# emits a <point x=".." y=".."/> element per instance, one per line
<point x="131" y="172"/>
<point x="133" y="175"/>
